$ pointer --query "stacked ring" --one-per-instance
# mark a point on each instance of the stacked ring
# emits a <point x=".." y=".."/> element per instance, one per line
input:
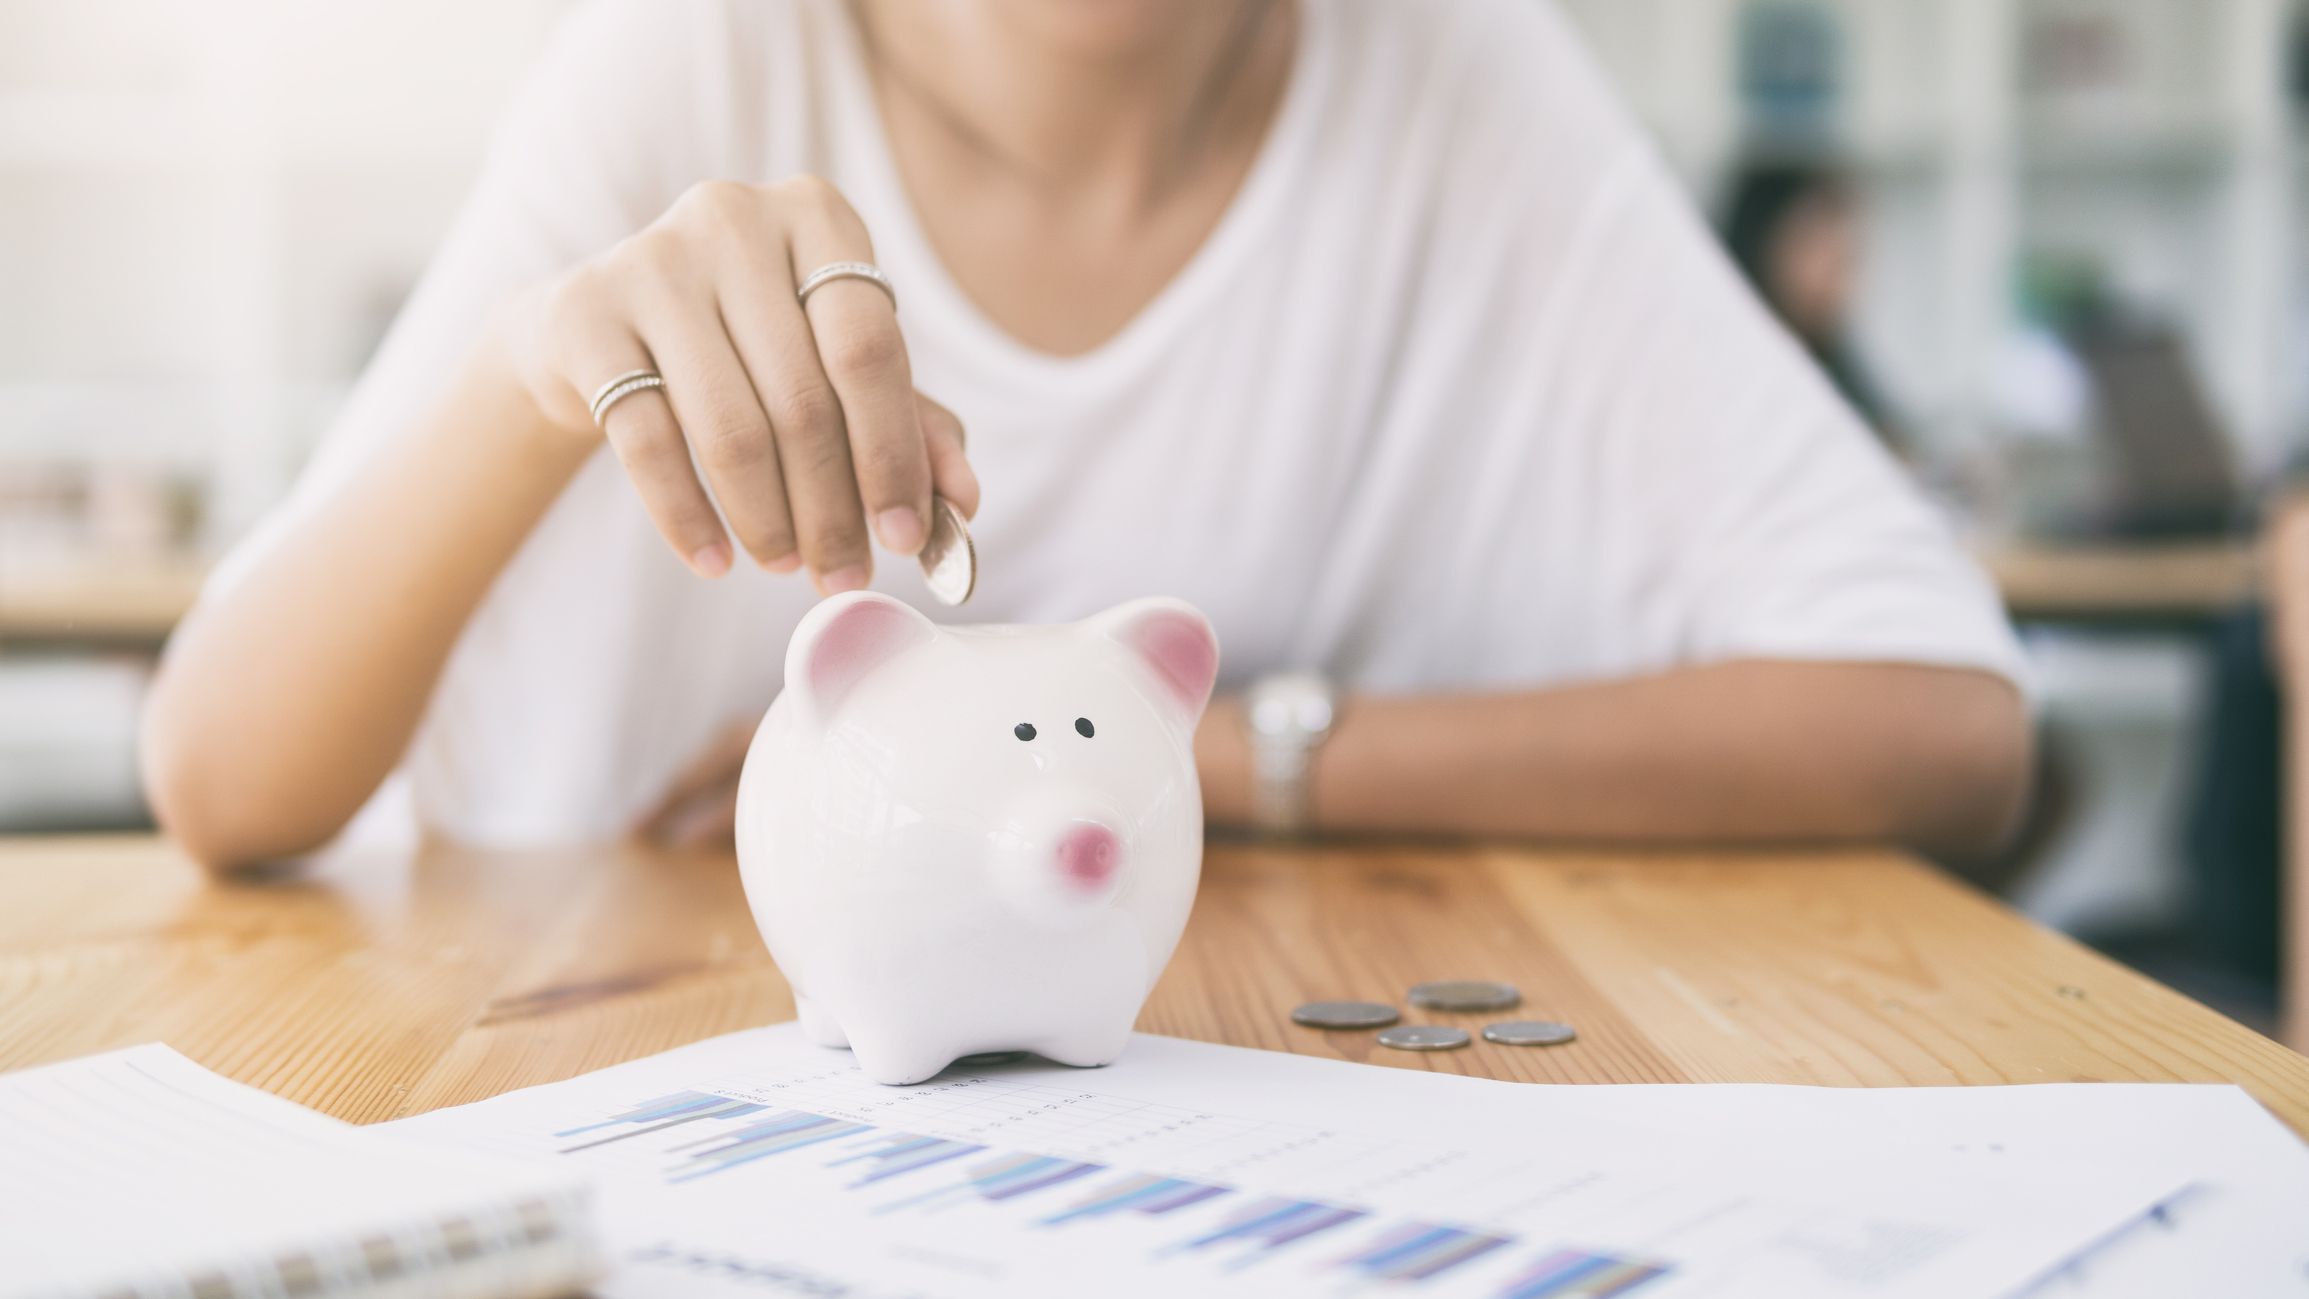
<point x="620" y="388"/>
<point x="833" y="271"/>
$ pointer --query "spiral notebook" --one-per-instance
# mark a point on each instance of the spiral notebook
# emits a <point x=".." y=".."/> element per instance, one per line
<point x="139" y="1173"/>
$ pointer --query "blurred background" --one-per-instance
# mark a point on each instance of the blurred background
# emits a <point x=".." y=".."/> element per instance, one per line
<point x="2055" y="250"/>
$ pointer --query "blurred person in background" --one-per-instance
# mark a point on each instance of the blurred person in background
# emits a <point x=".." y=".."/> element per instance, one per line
<point x="1794" y="229"/>
<point x="1378" y="331"/>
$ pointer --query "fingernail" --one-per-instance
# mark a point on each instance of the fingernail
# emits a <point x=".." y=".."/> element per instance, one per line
<point x="785" y="563"/>
<point x="900" y="528"/>
<point x="852" y="578"/>
<point x="711" y="560"/>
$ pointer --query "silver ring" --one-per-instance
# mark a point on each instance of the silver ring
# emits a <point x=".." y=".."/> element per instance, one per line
<point x="833" y="271"/>
<point x="620" y="388"/>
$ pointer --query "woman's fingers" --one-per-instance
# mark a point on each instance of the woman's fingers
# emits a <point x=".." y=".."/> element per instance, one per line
<point x="801" y="418"/>
<point x="728" y="433"/>
<point x="711" y="822"/>
<point x="772" y="337"/>
<point x="701" y="803"/>
<point x="950" y="471"/>
<point x="648" y="441"/>
<point x="855" y="327"/>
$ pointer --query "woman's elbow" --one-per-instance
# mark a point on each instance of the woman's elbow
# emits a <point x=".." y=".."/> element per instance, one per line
<point x="1966" y="785"/>
<point x="213" y="809"/>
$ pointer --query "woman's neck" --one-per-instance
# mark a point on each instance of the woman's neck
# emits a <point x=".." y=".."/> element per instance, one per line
<point x="1062" y="173"/>
<point x="1071" y="102"/>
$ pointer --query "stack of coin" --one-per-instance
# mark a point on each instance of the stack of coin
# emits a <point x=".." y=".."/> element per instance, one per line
<point x="1344" y="1014"/>
<point x="1465" y="995"/>
<point x="1424" y="1037"/>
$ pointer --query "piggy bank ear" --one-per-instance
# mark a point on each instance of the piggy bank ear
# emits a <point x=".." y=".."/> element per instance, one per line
<point x="1175" y="642"/>
<point x="844" y="639"/>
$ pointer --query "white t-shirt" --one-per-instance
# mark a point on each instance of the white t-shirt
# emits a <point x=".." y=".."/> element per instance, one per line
<point x="1459" y="395"/>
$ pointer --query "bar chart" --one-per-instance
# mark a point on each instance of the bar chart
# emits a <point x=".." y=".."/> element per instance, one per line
<point x="1417" y="1251"/>
<point x="1269" y="1224"/>
<point x="1141" y="1193"/>
<point x="899" y="1172"/>
<point x="760" y="1163"/>
<point x="1570" y="1274"/>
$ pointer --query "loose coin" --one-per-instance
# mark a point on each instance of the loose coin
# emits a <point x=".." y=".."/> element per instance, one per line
<point x="949" y="561"/>
<point x="1424" y="1037"/>
<point x="1465" y="994"/>
<point x="1529" y="1032"/>
<point x="1344" y="1014"/>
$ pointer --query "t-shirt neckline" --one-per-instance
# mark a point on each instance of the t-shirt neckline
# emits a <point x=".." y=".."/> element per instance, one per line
<point x="926" y="289"/>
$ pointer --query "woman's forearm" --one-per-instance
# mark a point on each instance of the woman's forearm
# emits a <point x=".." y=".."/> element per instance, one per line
<point x="284" y="700"/>
<point x="1738" y="752"/>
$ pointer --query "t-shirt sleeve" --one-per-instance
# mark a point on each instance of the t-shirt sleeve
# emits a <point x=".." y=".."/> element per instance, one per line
<point x="1761" y="518"/>
<point x="604" y="133"/>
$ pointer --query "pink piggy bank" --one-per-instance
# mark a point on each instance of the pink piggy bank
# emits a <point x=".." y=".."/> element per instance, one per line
<point x="969" y="839"/>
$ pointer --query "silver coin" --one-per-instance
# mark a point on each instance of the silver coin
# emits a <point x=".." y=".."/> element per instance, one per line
<point x="1529" y="1032"/>
<point x="1465" y="994"/>
<point x="949" y="561"/>
<point x="1424" y="1037"/>
<point x="1345" y="1014"/>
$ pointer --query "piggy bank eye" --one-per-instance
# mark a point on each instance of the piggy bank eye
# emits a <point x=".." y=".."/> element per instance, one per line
<point x="1024" y="730"/>
<point x="1083" y="727"/>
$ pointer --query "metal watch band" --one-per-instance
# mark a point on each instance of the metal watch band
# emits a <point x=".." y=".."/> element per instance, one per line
<point x="1288" y="717"/>
<point x="1279" y="786"/>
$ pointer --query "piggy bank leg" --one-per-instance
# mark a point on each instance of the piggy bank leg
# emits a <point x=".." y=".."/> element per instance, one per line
<point x="896" y="1059"/>
<point x="1086" y="1049"/>
<point x="817" y="1025"/>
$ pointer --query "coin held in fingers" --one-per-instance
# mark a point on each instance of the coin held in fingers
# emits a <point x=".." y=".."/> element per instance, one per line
<point x="949" y="561"/>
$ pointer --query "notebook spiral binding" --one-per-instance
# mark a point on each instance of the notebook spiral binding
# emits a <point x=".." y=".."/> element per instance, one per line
<point x="530" y="1249"/>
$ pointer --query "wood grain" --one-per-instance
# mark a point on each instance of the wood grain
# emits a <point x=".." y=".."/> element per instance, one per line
<point x="376" y="986"/>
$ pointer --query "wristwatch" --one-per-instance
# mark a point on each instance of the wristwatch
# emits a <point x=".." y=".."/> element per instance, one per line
<point x="1288" y="715"/>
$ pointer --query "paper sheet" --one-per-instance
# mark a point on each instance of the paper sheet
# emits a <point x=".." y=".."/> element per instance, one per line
<point x="757" y="1163"/>
<point x="135" y="1170"/>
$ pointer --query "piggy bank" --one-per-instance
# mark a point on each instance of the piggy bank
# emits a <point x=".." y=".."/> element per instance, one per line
<point x="969" y="839"/>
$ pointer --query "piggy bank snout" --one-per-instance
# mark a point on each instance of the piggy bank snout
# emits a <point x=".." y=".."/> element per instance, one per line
<point x="1089" y="854"/>
<point x="1060" y="856"/>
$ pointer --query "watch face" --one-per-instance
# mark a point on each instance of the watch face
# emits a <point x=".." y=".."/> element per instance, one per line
<point x="1315" y="712"/>
<point x="1292" y="705"/>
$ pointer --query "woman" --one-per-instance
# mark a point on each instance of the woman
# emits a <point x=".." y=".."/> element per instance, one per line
<point x="1793" y="229"/>
<point x="1373" y="329"/>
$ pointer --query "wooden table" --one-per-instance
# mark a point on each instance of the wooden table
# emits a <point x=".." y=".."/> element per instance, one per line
<point x="377" y="987"/>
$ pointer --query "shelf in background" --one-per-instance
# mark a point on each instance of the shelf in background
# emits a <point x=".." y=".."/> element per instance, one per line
<point x="2123" y="581"/>
<point x="127" y="604"/>
<point x="138" y="603"/>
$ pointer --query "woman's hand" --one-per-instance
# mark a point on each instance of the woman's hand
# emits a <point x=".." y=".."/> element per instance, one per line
<point x="700" y="808"/>
<point x="803" y="422"/>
